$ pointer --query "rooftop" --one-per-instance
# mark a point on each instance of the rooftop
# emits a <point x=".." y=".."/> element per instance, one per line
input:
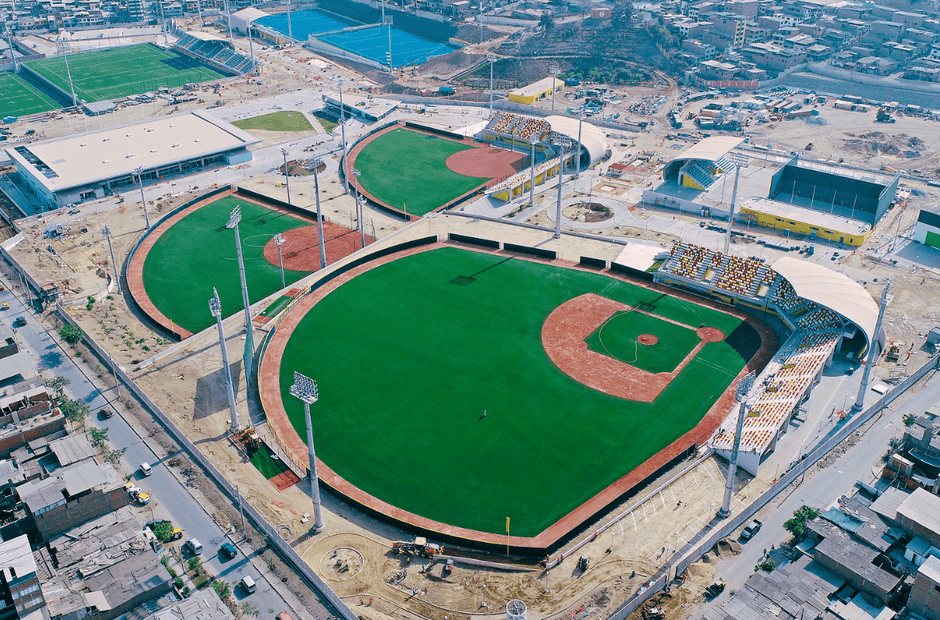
<point x="922" y="508"/>
<point x="785" y="210"/>
<point x="80" y="160"/>
<point x="930" y="569"/>
<point x="537" y="88"/>
<point x="857" y="558"/>
<point x="17" y="555"/>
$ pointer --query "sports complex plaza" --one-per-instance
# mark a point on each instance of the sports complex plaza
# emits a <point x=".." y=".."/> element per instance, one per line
<point x="720" y="305"/>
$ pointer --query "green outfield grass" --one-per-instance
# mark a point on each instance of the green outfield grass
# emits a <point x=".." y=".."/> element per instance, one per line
<point x="408" y="359"/>
<point x="405" y="169"/>
<point x="19" y="98"/>
<point x="198" y="253"/>
<point x="276" y="121"/>
<point x="109" y="74"/>
<point x="617" y="338"/>
<point x="269" y="466"/>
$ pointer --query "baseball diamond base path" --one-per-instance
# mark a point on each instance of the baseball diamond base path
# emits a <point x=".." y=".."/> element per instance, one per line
<point x="563" y="337"/>
<point x="561" y="530"/>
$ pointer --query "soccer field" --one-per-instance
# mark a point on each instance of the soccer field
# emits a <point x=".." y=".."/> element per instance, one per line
<point x="198" y="253"/>
<point x="410" y="355"/>
<point x="406" y="170"/>
<point x="123" y="71"/>
<point x="19" y="98"/>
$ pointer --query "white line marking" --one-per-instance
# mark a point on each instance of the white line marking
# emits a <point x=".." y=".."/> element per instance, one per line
<point x="662" y="498"/>
<point x="671" y="493"/>
<point x="634" y="521"/>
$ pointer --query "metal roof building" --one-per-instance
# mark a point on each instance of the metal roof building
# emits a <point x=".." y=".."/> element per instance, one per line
<point x="90" y="166"/>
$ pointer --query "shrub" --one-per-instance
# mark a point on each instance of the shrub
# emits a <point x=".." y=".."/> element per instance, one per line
<point x="163" y="530"/>
<point x="178" y="583"/>
<point x="797" y="525"/>
<point x="193" y="564"/>
<point x="71" y="334"/>
<point x="222" y="589"/>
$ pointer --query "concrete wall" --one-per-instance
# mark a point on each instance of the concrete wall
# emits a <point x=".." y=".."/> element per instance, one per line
<point x="925" y="598"/>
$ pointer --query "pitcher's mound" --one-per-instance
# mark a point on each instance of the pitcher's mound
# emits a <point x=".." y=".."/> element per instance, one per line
<point x="647" y="339"/>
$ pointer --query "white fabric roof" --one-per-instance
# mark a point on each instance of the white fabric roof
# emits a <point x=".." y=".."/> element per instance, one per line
<point x="711" y="149"/>
<point x="831" y="289"/>
<point x="592" y="138"/>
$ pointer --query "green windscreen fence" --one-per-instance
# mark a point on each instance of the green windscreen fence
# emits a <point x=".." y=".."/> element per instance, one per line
<point x="933" y="239"/>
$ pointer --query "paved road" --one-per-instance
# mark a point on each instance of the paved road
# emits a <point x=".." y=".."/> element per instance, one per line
<point x="824" y="487"/>
<point x="171" y="498"/>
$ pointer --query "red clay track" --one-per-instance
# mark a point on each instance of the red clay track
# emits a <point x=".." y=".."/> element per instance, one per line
<point x="270" y="390"/>
<point x="301" y="248"/>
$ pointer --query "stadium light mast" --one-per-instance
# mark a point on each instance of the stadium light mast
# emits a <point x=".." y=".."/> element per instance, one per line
<point x="139" y="171"/>
<point x="199" y="10"/>
<point x="362" y="230"/>
<point x="251" y="50"/>
<point x="228" y="12"/>
<point x="740" y="161"/>
<point x="317" y="162"/>
<point x="744" y="386"/>
<point x="532" y="175"/>
<point x="561" y="173"/>
<point x="215" y="307"/>
<point x="554" y="70"/>
<point x="342" y="129"/>
<point x="10" y="42"/>
<point x="286" y="174"/>
<point x="577" y="174"/>
<point x="388" y="21"/>
<point x="305" y="389"/>
<point x="860" y="400"/>
<point x="63" y="45"/>
<point x="279" y="241"/>
<point x="290" y="32"/>
<point x="232" y="223"/>
<point x="492" y="59"/>
<point x="106" y="231"/>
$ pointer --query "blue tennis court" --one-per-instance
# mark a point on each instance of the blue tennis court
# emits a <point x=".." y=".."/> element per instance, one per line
<point x="303" y="24"/>
<point x="372" y="43"/>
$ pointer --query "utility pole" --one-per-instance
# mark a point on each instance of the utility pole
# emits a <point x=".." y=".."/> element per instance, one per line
<point x="577" y="173"/>
<point x="233" y="221"/>
<point x="561" y="174"/>
<point x="362" y="233"/>
<point x="139" y="171"/>
<point x="286" y="174"/>
<point x="554" y="70"/>
<point x="739" y="161"/>
<point x="290" y="32"/>
<point x="317" y="162"/>
<point x="492" y="59"/>
<point x="215" y="307"/>
<point x="106" y="231"/>
<point x="305" y="389"/>
<point x="744" y="386"/>
<point x="860" y="400"/>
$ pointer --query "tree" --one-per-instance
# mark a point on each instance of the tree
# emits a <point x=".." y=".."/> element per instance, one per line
<point x="73" y="410"/>
<point x="908" y="419"/>
<point x="621" y="15"/>
<point x="71" y="334"/>
<point x="222" y="589"/>
<point x="58" y="384"/>
<point x="797" y="525"/>
<point x="99" y="436"/>
<point x="546" y="23"/>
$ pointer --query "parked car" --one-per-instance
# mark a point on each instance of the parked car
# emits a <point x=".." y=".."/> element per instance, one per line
<point x="750" y="529"/>
<point x="146" y="469"/>
<point x="193" y="546"/>
<point x="107" y="412"/>
<point x="249" y="584"/>
<point x="229" y="550"/>
<point x="20" y="321"/>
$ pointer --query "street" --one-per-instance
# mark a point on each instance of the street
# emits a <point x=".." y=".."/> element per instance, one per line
<point x="171" y="498"/>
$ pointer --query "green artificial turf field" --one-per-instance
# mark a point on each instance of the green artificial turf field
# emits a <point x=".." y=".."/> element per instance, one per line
<point x="617" y="338"/>
<point x="405" y="169"/>
<point x="409" y="355"/>
<point x="198" y="253"/>
<point x="19" y="98"/>
<point x="123" y="71"/>
<point x="264" y="460"/>
<point x="276" y="121"/>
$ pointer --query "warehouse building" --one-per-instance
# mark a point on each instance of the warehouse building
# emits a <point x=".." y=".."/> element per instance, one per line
<point x="536" y="90"/>
<point x="927" y="230"/>
<point x="91" y="166"/>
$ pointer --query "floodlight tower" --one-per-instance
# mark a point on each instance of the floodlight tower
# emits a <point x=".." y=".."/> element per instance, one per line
<point x="740" y="161"/>
<point x="279" y="241"/>
<point x="139" y="171"/>
<point x="228" y="12"/>
<point x="232" y="223"/>
<point x="561" y="144"/>
<point x="532" y="174"/>
<point x="106" y="231"/>
<point x="10" y="43"/>
<point x="317" y="161"/>
<point x="362" y="233"/>
<point x="63" y="46"/>
<point x="305" y="389"/>
<point x="290" y="32"/>
<point x="744" y="386"/>
<point x="342" y="128"/>
<point x="199" y="10"/>
<point x="580" y="120"/>
<point x="286" y="175"/>
<point x="215" y="307"/>
<point x="860" y="400"/>
<point x="388" y="21"/>
<point x="492" y="59"/>
<point x="554" y="70"/>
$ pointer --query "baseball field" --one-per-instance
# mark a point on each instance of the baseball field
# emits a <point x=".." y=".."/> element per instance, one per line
<point x="418" y="172"/>
<point x="437" y="395"/>
<point x="122" y="71"/>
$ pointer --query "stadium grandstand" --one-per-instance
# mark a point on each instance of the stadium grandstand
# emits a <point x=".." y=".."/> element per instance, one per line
<point x="824" y="311"/>
<point x="516" y="130"/>
<point x="815" y="199"/>
<point x="214" y="51"/>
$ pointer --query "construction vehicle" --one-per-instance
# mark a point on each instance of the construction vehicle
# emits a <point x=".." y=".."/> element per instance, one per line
<point x="448" y="568"/>
<point x="894" y="351"/>
<point x="420" y="546"/>
<point x="714" y="589"/>
<point x="884" y="116"/>
<point x="583" y="563"/>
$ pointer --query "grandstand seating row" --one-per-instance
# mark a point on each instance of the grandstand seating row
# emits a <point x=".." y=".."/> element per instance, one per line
<point x="215" y="52"/>
<point x="520" y="126"/>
